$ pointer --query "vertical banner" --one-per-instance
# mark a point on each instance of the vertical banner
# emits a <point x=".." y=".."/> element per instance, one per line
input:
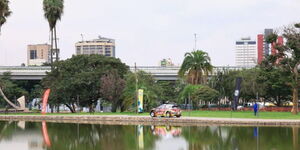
<point x="45" y="101"/>
<point x="140" y="100"/>
<point x="237" y="90"/>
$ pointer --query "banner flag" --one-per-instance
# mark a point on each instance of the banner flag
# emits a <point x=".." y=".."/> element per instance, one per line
<point x="140" y="100"/>
<point x="237" y="92"/>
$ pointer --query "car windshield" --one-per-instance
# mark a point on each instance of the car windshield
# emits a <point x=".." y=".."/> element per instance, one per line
<point x="161" y="106"/>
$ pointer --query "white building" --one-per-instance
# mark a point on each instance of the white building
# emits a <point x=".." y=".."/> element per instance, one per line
<point x="245" y="52"/>
<point x="102" y="46"/>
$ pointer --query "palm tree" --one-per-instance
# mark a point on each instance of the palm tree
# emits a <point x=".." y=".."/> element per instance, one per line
<point x="196" y="67"/>
<point x="4" y="12"/>
<point x="53" y="10"/>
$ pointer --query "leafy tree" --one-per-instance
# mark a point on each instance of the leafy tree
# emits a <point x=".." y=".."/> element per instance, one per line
<point x="196" y="66"/>
<point x="224" y="83"/>
<point x="169" y="91"/>
<point x="275" y="82"/>
<point x="77" y="80"/>
<point x="11" y="89"/>
<point x="289" y="57"/>
<point x="111" y="88"/>
<point x="53" y="10"/>
<point x="4" y="12"/>
<point x="199" y="93"/>
<point x="152" y="91"/>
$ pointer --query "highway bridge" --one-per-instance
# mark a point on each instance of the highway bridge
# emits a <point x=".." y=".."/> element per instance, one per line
<point x="159" y="73"/>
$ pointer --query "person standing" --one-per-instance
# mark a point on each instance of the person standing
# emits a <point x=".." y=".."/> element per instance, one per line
<point x="255" y="108"/>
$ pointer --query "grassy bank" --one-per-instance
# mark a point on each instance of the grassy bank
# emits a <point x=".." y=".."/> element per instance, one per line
<point x="209" y="114"/>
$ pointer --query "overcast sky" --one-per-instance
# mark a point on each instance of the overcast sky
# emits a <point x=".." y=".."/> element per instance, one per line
<point x="146" y="31"/>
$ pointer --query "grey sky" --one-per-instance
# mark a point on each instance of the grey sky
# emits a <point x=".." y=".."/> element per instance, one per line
<point x="146" y="30"/>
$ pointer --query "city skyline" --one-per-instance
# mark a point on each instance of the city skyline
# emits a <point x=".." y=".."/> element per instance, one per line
<point x="144" y="29"/>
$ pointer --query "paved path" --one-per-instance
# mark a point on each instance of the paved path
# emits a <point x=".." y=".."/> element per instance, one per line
<point x="146" y="120"/>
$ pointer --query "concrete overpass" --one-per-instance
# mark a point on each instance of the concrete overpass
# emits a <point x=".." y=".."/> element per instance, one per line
<point x="159" y="73"/>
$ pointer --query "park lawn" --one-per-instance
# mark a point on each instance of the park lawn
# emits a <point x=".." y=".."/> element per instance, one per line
<point x="241" y="114"/>
<point x="206" y="114"/>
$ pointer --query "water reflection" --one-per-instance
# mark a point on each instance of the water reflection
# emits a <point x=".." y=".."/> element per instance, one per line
<point x="56" y="136"/>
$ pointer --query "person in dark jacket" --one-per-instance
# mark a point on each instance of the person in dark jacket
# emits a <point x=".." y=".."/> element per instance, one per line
<point x="255" y="108"/>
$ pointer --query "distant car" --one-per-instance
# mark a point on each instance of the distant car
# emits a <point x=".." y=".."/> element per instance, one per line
<point x="166" y="110"/>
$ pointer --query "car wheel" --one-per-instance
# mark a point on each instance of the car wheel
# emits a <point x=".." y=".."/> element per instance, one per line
<point x="152" y="114"/>
<point x="168" y="114"/>
<point x="178" y="116"/>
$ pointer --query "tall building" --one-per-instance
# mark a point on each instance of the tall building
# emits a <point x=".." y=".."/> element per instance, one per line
<point x="245" y="55"/>
<point x="265" y="49"/>
<point x="166" y="63"/>
<point x="102" y="46"/>
<point x="38" y="54"/>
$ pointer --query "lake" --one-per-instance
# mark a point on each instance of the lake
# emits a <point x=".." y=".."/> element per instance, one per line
<point x="23" y="135"/>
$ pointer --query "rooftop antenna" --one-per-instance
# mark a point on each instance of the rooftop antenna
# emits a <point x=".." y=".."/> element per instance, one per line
<point x="195" y="48"/>
<point x="82" y="39"/>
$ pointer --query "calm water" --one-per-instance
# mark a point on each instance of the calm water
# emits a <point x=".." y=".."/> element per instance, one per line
<point x="58" y="136"/>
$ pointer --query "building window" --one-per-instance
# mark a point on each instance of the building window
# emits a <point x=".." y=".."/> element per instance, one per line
<point x="33" y="54"/>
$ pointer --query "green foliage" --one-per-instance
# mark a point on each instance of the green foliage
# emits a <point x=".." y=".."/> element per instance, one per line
<point x="4" y="12"/>
<point x="169" y="91"/>
<point x="152" y="91"/>
<point x="78" y="79"/>
<point x="205" y="93"/>
<point x="11" y="90"/>
<point x="196" y="66"/>
<point x="53" y="10"/>
<point x="199" y="93"/>
<point x="111" y="89"/>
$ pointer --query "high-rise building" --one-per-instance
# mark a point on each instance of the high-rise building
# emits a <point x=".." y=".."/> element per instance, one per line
<point x="265" y="49"/>
<point x="38" y="54"/>
<point x="246" y="55"/>
<point x="166" y="63"/>
<point x="102" y="46"/>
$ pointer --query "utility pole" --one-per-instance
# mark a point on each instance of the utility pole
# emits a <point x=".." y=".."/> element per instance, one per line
<point x="195" y="48"/>
<point x="136" y="87"/>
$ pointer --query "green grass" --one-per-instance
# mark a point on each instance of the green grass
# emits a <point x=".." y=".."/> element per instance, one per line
<point x="241" y="114"/>
<point x="207" y="114"/>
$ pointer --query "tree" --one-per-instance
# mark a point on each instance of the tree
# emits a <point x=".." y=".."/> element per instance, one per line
<point x="169" y="91"/>
<point x="111" y="88"/>
<point x="275" y="82"/>
<point x="53" y="10"/>
<point x="11" y="89"/>
<point x="4" y="12"/>
<point x="152" y="91"/>
<point x="199" y="93"/>
<point x="288" y="57"/>
<point x="197" y="67"/>
<point x="76" y="81"/>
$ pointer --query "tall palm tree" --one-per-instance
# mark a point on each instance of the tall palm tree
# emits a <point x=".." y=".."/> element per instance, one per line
<point x="4" y="12"/>
<point x="53" y="10"/>
<point x="196" y="67"/>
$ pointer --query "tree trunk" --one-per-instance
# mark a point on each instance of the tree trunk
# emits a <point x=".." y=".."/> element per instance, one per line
<point x="7" y="100"/>
<point x="51" y="50"/>
<point x="56" y="49"/>
<point x="295" y="101"/>
<point x="295" y="90"/>
<point x="114" y="107"/>
<point x="71" y="109"/>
